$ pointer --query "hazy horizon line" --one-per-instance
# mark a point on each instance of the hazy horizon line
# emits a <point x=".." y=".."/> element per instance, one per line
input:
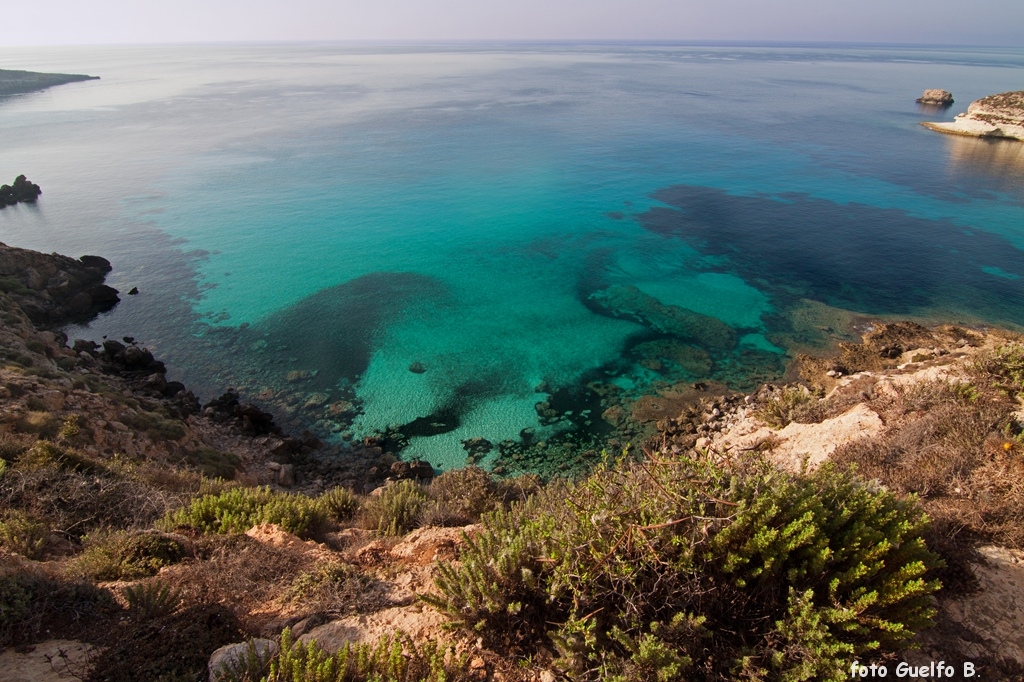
<point x="715" y="42"/>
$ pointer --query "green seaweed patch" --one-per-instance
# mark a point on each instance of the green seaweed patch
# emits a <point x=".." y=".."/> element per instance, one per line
<point x="629" y="302"/>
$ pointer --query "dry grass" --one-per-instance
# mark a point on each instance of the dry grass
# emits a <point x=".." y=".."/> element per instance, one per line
<point x="238" y="569"/>
<point x="957" y="445"/>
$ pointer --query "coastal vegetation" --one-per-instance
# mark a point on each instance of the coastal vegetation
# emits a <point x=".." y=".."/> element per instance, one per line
<point x="20" y="82"/>
<point x="159" y="531"/>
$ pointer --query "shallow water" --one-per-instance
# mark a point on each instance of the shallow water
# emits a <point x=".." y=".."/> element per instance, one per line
<point x="339" y="215"/>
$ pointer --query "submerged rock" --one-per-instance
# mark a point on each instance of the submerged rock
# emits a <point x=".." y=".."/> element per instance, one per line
<point x="629" y="302"/>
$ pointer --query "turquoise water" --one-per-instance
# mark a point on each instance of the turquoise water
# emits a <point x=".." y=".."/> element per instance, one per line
<point x="349" y="212"/>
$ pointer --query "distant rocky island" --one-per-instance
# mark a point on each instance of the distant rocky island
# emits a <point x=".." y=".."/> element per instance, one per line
<point x="942" y="98"/>
<point x="21" y="191"/>
<point x="19" y="82"/>
<point x="996" y="116"/>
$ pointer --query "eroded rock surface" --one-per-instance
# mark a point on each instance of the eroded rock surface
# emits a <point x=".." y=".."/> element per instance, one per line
<point x="933" y="96"/>
<point x="54" y="290"/>
<point x="995" y="116"/>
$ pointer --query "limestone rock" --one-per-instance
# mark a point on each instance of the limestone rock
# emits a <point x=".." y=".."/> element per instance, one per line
<point x="995" y="116"/>
<point x="933" y="96"/>
<point x="223" y="658"/>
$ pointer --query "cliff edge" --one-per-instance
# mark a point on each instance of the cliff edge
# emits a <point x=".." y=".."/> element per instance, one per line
<point x="996" y="116"/>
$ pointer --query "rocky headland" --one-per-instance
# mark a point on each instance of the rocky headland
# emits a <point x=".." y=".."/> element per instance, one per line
<point x="20" y="82"/>
<point x="996" y="116"/>
<point x="146" y="536"/>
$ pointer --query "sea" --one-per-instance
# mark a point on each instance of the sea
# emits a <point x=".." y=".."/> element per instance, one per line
<point x="494" y="240"/>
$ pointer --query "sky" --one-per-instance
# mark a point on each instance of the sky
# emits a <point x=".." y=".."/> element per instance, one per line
<point x="949" y="22"/>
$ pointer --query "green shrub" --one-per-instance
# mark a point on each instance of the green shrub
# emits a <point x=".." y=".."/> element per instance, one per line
<point x="152" y="600"/>
<point x="36" y="404"/>
<point x="332" y="587"/>
<point x="341" y="504"/>
<point x="11" y="446"/>
<point x="238" y="509"/>
<point x="391" y="659"/>
<point x="396" y="510"/>
<point x="127" y="556"/>
<point x="213" y="463"/>
<point x="156" y="426"/>
<point x="458" y="497"/>
<point x="42" y="424"/>
<point x="22" y="534"/>
<point x="681" y="569"/>
<point x="32" y="601"/>
<point x="1007" y="368"/>
<point x="785" y="407"/>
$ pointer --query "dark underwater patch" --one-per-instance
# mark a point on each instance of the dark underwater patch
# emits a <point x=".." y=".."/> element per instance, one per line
<point x="868" y="259"/>
<point x="329" y="335"/>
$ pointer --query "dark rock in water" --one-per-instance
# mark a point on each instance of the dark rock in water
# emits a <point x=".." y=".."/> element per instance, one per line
<point x="249" y="418"/>
<point x="21" y="191"/>
<point x="417" y="368"/>
<point x="133" y="291"/>
<point x="173" y="388"/>
<point x="415" y="469"/>
<point x="83" y="346"/>
<point x="630" y="303"/>
<point x="477" y="446"/>
<point x="693" y="360"/>
<point x="938" y="97"/>
<point x="420" y="469"/>
<point x="113" y="348"/>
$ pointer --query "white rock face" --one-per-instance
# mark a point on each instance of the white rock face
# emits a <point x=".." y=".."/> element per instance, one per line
<point x="995" y="116"/>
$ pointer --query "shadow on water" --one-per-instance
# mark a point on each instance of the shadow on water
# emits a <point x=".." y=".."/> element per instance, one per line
<point x="329" y="336"/>
<point x="863" y="258"/>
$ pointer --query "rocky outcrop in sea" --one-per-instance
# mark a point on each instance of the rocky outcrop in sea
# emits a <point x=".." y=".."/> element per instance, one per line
<point x="942" y="98"/>
<point x="53" y="289"/>
<point x="996" y="116"/>
<point x="20" y="191"/>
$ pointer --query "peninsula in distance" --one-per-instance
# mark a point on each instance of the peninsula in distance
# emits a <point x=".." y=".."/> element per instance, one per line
<point x="20" y="82"/>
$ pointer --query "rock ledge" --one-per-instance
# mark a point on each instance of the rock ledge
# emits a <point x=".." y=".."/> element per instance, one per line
<point x="996" y="116"/>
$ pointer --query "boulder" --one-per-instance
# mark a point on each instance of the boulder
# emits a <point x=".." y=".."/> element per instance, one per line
<point x="227" y="657"/>
<point x="932" y="96"/>
<point x="57" y="290"/>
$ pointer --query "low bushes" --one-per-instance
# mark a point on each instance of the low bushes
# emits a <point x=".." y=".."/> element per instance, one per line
<point x="396" y="510"/>
<point x="391" y="659"/>
<point x="238" y="509"/>
<point x="683" y="570"/>
<point x="32" y="601"/>
<point x="127" y="556"/>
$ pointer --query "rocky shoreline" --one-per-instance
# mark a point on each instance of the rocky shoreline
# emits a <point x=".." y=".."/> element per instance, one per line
<point x="111" y="404"/>
<point x="995" y="117"/>
<point x="124" y="402"/>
